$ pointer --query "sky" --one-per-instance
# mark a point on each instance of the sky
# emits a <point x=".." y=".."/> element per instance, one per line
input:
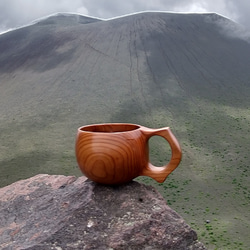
<point x="17" y="13"/>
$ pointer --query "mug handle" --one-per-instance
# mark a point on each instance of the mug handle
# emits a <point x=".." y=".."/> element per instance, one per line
<point x="161" y="173"/>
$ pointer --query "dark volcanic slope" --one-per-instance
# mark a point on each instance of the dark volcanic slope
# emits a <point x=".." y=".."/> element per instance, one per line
<point x="160" y="52"/>
<point x="187" y="71"/>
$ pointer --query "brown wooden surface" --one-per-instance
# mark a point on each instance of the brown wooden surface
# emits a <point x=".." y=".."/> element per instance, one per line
<point x="117" y="153"/>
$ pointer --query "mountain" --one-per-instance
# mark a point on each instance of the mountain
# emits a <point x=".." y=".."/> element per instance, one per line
<point x="186" y="71"/>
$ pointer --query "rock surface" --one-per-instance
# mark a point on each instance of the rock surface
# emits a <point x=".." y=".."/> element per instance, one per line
<point x="59" y="212"/>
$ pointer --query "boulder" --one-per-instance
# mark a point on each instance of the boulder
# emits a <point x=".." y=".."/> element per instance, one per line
<point x="65" y="212"/>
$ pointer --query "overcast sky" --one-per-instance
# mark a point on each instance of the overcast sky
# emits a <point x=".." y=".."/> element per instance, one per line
<point x="16" y="13"/>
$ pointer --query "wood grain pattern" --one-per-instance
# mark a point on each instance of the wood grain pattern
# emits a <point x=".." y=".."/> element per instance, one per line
<point x="116" y="153"/>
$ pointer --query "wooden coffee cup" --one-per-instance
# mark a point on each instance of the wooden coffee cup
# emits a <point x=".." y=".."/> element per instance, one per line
<point x="116" y="153"/>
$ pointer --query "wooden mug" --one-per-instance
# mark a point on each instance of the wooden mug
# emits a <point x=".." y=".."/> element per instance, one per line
<point x="116" y="153"/>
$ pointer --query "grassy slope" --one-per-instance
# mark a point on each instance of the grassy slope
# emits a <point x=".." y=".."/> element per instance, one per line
<point x="154" y="70"/>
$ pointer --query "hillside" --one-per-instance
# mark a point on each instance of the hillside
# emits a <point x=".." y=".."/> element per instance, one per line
<point x="186" y="71"/>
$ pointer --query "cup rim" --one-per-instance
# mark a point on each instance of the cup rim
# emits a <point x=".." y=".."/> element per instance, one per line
<point x="107" y="128"/>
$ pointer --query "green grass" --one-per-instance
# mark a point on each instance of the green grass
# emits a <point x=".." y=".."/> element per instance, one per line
<point x="211" y="183"/>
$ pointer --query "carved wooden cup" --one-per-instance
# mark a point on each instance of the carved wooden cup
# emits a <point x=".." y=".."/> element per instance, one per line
<point x="116" y="153"/>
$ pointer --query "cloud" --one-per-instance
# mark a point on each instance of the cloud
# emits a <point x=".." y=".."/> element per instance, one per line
<point x="241" y="8"/>
<point x="233" y="30"/>
<point x="15" y="13"/>
<point x="237" y="10"/>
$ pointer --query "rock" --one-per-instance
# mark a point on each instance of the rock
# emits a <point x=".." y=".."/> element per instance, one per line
<point x="59" y="212"/>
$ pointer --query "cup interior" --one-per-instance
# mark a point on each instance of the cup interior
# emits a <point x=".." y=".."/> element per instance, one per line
<point x="110" y="128"/>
